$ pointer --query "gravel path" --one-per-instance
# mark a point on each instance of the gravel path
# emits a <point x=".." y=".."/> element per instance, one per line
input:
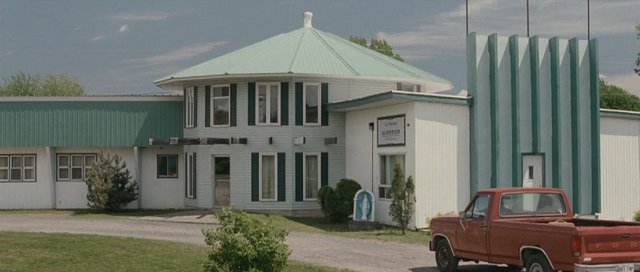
<point x="356" y="254"/>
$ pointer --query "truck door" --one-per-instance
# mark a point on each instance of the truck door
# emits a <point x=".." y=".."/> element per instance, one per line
<point x="473" y="229"/>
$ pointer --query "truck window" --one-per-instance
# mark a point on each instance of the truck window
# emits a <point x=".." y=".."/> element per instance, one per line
<point x="527" y="204"/>
<point x="479" y="207"/>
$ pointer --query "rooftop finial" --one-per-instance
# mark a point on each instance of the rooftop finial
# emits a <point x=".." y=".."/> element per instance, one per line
<point x="307" y="19"/>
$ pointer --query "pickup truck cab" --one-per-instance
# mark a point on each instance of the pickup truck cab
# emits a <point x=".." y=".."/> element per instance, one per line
<point x="533" y="228"/>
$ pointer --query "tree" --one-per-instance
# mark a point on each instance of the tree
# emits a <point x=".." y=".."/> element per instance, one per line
<point x="403" y="198"/>
<point x="616" y="98"/>
<point x="23" y="84"/>
<point x="242" y="243"/>
<point x="379" y="45"/>
<point x="109" y="183"/>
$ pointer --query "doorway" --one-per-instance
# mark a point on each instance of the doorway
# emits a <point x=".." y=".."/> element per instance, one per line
<point x="221" y="180"/>
<point x="533" y="170"/>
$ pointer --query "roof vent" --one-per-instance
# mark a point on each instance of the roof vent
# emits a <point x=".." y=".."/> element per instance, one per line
<point x="307" y="19"/>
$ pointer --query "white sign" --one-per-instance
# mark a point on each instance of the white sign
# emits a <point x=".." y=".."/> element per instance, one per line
<point x="391" y="131"/>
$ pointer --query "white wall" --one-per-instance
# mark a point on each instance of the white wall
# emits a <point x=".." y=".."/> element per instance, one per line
<point x="358" y="150"/>
<point x="28" y="195"/>
<point x="620" y="167"/>
<point x="441" y="160"/>
<point x="161" y="193"/>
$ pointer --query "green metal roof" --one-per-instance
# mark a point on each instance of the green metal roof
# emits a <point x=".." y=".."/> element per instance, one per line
<point x="396" y="97"/>
<point x="88" y="123"/>
<point x="307" y="51"/>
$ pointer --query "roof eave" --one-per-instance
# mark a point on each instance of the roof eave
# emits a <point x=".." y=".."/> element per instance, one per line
<point x="396" y="97"/>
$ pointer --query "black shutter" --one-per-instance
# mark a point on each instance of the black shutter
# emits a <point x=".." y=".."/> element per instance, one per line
<point x="299" y="176"/>
<point x="324" y="169"/>
<point x="207" y="106"/>
<point x="255" y="160"/>
<point x="195" y="176"/>
<point x="251" y="106"/>
<point x="284" y="103"/>
<point x="195" y="106"/>
<point x="299" y="103"/>
<point x="324" y="98"/>
<point x="232" y="98"/>
<point x="184" y="105"/>
<point x="186" y="176"/>
<point x="281" y="177"/>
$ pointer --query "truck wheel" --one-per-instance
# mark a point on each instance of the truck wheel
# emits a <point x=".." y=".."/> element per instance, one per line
<point x="538" y="263"/>
<point x="444" y="257"/>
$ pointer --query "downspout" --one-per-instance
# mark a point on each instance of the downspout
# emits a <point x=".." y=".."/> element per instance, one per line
<point x="51" y="156"/>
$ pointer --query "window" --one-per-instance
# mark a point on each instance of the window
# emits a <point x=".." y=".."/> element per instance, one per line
<point x="221" y="105"/>
<point x="190" y="111"/>
<point x="167" y="166"/>
<point x="311" y="176"/>
<point x="408" y="87"/>
<point x="191" y="176"/>
<point x="268" y="103"/>
<point x="17" y="168"/>
<point x="387" y="163"/>
<point x="532" y="204"/>
<point x="74" y="167"/>
<point x="479" y="207"/>
<point x="312" y="104"/>
<point x="268" y="168"/>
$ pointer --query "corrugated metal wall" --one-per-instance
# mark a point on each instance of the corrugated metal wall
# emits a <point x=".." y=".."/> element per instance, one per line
<point x="88" y="123"/>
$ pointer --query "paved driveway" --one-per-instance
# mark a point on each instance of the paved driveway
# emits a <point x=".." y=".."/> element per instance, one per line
<point x="356" y="254"/>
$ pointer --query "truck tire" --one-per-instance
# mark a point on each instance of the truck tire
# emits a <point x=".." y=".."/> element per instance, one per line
<point x="444" y="257"/>
<point x="538" y="263"/>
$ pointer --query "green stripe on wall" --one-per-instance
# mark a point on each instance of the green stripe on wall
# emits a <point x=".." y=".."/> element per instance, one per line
<point x="575" y="128"/>
<point x="515" y="113"/>
<point x="556" y="163"/>
<point x="207" y="106"/>
<point x="299" y="89"/>
<point x="255" y="180"/>
<point x="298" y="176"/>
<point x="472" y="79"/>
<point x="251" y="104"/>
<point x="494" y="99"/>
<point x="284" y="103"/>
<point x="233" y="93"/>
<point x="535" y="90"/>
<point x="324" y="104"/>
<point x="282" y="177"/>
<point x="595" y="125"/>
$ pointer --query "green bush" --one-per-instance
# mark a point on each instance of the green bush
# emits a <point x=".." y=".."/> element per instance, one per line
<point x="403" y="198"/>
<point x="242" y="243"/>
<point x="109" y="183"/>
<point x="636" y="216"/>
<point x="337" y="204"/>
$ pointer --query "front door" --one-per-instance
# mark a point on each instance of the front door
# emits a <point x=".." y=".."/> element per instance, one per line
<point x="533" y="170"/>
<point x="221" y="177"/>
<point x="472" y="230"/>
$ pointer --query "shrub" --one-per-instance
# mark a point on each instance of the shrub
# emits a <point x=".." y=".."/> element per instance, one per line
<point x="242" y="243"/>
<point x="109" y="183"/>
<point x="403" y="198"/>
<point x="337" y="204"/>
<point x="636" y="216"/>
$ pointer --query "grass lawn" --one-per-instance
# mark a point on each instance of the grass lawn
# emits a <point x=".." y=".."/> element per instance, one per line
<point x="75" y="252"/>
<point x="324" y="226"/>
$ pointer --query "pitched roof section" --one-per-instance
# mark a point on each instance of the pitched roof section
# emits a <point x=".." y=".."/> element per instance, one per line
<point x="308" y="51"/>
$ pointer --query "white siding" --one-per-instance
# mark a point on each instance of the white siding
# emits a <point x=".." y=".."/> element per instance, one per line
<point x="28" y="195"/>
<point x="442" y="160"/>
<point x="620" y="167"/>
<point x="161" y="193"/>
<point x="358" y="155"/>
<point x="73" y="194"/>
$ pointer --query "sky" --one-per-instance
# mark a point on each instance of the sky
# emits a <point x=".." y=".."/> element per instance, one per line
<point x="121" y="47"/>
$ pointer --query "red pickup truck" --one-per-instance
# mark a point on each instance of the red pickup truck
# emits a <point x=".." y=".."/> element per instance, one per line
<point x="533" y="228"/>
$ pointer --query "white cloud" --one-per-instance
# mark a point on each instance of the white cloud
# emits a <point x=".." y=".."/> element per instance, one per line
<point x="444" y="33"/>
<point x="123" y="28"/>
<point x="179" y="54"/>
<point x="142" y="16"/>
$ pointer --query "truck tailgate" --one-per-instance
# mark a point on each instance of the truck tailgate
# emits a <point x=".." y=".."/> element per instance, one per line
<point x="611" y="244"/>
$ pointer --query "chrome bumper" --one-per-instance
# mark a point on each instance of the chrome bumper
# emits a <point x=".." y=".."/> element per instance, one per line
<point x="620" y="267"/>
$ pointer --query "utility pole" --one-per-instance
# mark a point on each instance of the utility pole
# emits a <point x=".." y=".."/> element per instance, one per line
<point x="467" y="15"/>
<point x="528" y="18"/>
<point x="588" y="19"/>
